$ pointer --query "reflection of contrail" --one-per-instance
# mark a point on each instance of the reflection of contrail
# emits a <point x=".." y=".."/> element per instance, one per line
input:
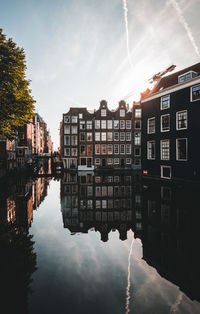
<point x="127" y="33"/>
<point x="128" y="279"/>
<point x="177" y="303"/>
<point x="186" y="26"/>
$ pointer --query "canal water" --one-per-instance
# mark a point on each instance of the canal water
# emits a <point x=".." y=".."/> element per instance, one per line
<point x="100" y="244"/>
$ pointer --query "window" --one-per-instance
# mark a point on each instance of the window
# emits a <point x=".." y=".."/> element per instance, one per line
<point x="116" y="149"/>
<point x="89" y="137"/>
<point x="138" y="113"/>
<point x="122" y="149"/>
<point x="82" y="125"/>
<point x="181" y="149"/>
<point x="97" y="136"/>
<point x="66" y="129"/>
<point x="109" y="124"/>
<point x="122" y="112"/>
<point x="116" y="136"/>
<point x="165" y="102"/>
<point x="97" y="161"/>
<point x="74" y="119"/>
<point x="97" y="124"/>
<point x="67" y="119"/>
<point x="89" y="150"/>
<point x="98" y="204"/>
<point x="83" y="161"/>
<point x="128" y="149"/>
<point x="151" y="125"/>
<point x="128" y="136"/>
<point x="165" y="123"/>
<point x="98" y="191"/>
<point x="181" y="120"/>
<point x="74" y="151"/>
<point x="128" y="161"/>
<point x="116" y="124"/>
<point x="109" y="136"/>
<point x="89" y="191"/>
<point x="66" y="151"/>
<point x="66" y="140"/>
<point x="82" y="136"/>
<point x="80" y="115"/>
<point x="82" y="150"/>
<point x="103" y="149"/>
<point x="74" y="140"/>
<point x="89" y="162"/>
<point x="122" y="136"/>
<point x="128" y="124"/>
<point x="110" y="161"/>
<point x="166" y="172"/>
<point x="89" y="125"/>
<point x="103" y="124"/>
<point x="151" y="150"/>
<point x="137" y="151"/>
<point x="116" y="161"/>
<point x="97" y="149"/>
<point x="164" y="150"/>
<point x="138" y="124"/>
<point x="103" y="112"/>
<point x="195" y="93"/>
<point x="74" y="129"/>
<point x="103" y="136"/>
<point x="186" y="76"/>
<point x="122" y="124"/>
<point x="137" y="138"/>
<point x="109" y="149"/>
<point x="89" y="204"/>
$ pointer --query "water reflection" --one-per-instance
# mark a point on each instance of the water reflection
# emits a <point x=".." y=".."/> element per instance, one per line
<point x="18" y="260"/>
<point x="129" y="244"/>
<point x="102" y="202"/>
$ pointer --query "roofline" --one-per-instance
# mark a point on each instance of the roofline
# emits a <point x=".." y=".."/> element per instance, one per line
<point x="172" y="89"/>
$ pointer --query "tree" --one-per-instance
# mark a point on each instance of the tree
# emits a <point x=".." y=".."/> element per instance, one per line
<point x="16" y="102"/>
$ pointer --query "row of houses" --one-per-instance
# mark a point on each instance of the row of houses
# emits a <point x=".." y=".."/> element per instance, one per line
<point x="33" y="139"/>
<point x="157" y="136"/>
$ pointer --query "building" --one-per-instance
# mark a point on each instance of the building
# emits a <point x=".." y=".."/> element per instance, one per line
<point x="170" y="126"/>
<point x="101" y="139"/>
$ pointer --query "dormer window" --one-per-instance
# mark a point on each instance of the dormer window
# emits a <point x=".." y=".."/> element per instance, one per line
<point x="186" y="76"/>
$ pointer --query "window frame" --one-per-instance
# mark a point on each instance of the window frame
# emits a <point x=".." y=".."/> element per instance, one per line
<point x="161" y="102"/>
<point x="186" y="140"/>
<point x="178" y="112"/>
<point x="149" y="157"/>
<point x="161" y="149"/>
<point x="198" y="99"/>
<point x="161" y="172"/>
<point x="148" y="126"/>
<point x="161" y="125"/>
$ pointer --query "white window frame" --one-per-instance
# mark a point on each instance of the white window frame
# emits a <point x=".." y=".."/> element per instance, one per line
<point x="74" y="119"/>
<point x="177" y="113"/>
<point x="161" y="126"/>
<point x="138" y="113"/>
<point x="116" y="146"/>
<point x="184" y="138"/>
<point x="97" y="136"/>
<point x="122" y="113"/>
<point x="122" y="136"/>
<point x="191" y="100"/>
<point x="161" y="102"/>
<point x="116" y="124"/>
<point x="184" y="74"/>
<point x="161" y="169"/>
<point x="103" y="112"/>
<point x="128" y="136"/>
<point x="122" y="124"/>
<point x="161" y="155"/>
<point x="128" y="149"/>
<point x="97" y="124"/>
<point x="109" y="124"/>
<point x="103" y="124"/>
<point x="116" y="161"/>
<point x="148" y="152"/>
<point x="148" y="126"/>
<point x="128" y="124"/>
<point x="116" y="140"/>
<point x="66" y="119"/>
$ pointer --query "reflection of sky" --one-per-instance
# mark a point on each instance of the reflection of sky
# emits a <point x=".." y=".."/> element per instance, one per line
<point x="81" y="274"/>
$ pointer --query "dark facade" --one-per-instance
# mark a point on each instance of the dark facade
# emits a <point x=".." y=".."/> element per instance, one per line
<point x="102" y="139"/>
<point x="170" y="126"/>
<point x="170" y="237"/>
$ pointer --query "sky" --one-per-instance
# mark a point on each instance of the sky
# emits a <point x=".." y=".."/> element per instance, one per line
<point x="79" y="52"/>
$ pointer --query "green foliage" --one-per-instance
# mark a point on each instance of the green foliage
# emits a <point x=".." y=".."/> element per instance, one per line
<point x="16" y="102"/>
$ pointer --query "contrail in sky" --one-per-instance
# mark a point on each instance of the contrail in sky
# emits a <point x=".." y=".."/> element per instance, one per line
<point x="127" y="32"/>
<point x="129" y="279"/>
<point x="185" y="25"/>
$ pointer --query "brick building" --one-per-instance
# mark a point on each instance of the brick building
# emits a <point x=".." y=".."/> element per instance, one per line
<point x="101" y="139"/>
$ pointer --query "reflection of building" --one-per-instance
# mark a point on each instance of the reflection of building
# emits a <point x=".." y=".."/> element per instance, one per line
<point x="104" y="202"/>
<point x="97" y="140"/>
<point x="170" y="126"/>
<point x="18" y="202"/>
<point x="171" y="233"/>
